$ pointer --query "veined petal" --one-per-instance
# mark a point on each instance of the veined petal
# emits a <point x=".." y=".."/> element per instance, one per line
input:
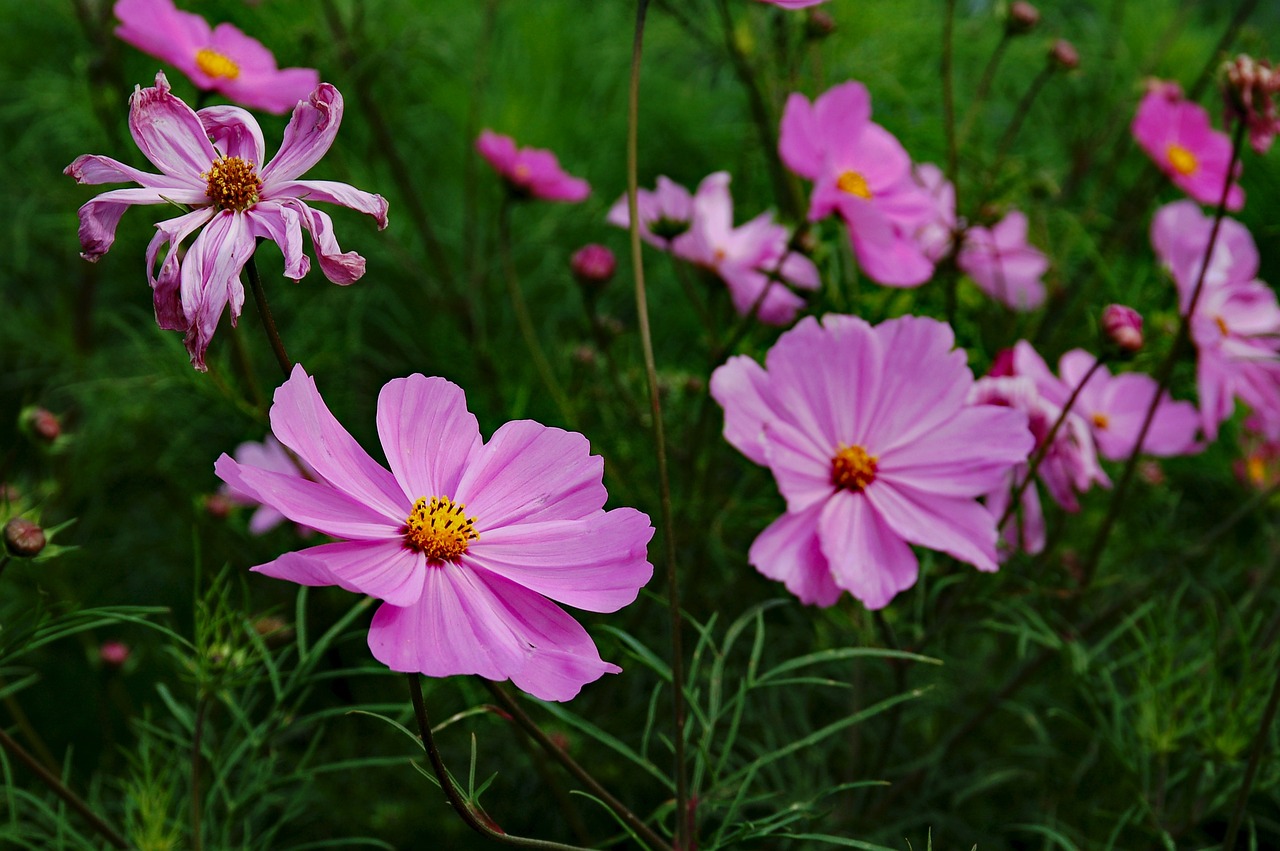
<point x="867" y="558"/>
<point x="234" y="133"/>
<point x="166" y="284"/>
<point x="385" y="569"/>
<point x="801" y="467"/>
<point x="169" y="132"/>
<point x="281" y="225"/>
<point x="340" y="268"/>
<point x="428" y="434"/>
<point x="100" y="216"/>
<point x="789" y="552"/>
<point x="210" y="278"/>
<point x="958" y="527"/>
<point x="332" y="192"/>
<point x="968" y="457"/>
<point x="742" y="388"/>
<point x="92" y="169"/>
<point x="311" y="131"/>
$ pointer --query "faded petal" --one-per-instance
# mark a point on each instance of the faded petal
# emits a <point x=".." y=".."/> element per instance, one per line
<point x="311" y="131"/>
<point x="210" y="278"/>
<point x="333" y="192"/>
<point x="169" y="132"/>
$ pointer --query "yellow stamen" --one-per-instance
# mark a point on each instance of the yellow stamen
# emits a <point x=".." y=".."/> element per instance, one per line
<point x="1100" y="420"/>
<point x="853" y="183"/>
<point x="852" y="468"/>
<point x="1256" y="469"/>
<point x="216" y="65"/>
<point x="1183" y="161"/>
<point x="439" y="528"/>
<point x="233" y="184"/>
<point x="1222" y="326"/>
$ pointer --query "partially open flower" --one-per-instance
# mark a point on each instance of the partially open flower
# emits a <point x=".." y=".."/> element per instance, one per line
<point x="1065" y="54"/>
<point x="1122" y="326"/>
<point x="593" y="265"/>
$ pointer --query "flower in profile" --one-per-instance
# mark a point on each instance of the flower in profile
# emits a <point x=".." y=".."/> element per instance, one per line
<point x="863" y="173"/>
<point x="221" y="59"/>
<point x="267" y="455"/>
<point x="1024" y="530"/>
<point x="530" y="172"/>
<point x="665" y="213"/>
<point x="1178" y="136"/>
<point x="1003" y="264"/>
<point x="210" y="161"/>
<point x="469" y="544"/>
<point x="870" y="439"/>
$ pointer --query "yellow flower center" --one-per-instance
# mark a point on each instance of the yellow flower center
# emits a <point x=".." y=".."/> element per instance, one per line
<point x="216" y="65"/>
<point x="439" y="528"/>
<point x="1182" y="160"/>
<point x="852" y="468"/>
<point x="1100" y="420"/>
<point x="233" y="184"/>
<point x="1256" y="469"/>
<point x="1222" y="326"/>
<point x="853" y="183"/>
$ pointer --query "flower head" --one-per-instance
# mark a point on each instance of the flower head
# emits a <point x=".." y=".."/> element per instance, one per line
<point x="267" y="455"/>
<point x="1001" y="261"/>
<point x="665" y="213"/>
<point x="211" y="162"/>
<point x="220" y="59"/>
<point x="870" y="439"/>
<point x="593" y="265"/>
<point x="530" y="172"/>
<point x="1177" y="135"/>
<point x="469" y="544"/>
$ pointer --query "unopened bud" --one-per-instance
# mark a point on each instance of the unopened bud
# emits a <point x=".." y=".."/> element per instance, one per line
<point x="593" y="265"/>
<point x="44" y="424"/>
<point x="217" y="506"/>
<point x="23" y="539"/>
<point x="1123" y="327"/>
<point x="819" y="24"/>
<point x="1023" y="18"/>
<point x="1064" y="53"/>
<point x="113" y="654"/>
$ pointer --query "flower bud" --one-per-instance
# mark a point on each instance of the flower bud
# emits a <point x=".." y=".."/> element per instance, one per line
<point x="23" y="539"/>
<point x="113" y="654"/>
<point x="217" y="506"/>
<point x="44" y="424"/>
<point x="1022" y="18"/>
<point x="819" y="24"/>
<point x="593" y="265"/>
<point x="1123" y="327"/>
<point x="1064" y="53"/>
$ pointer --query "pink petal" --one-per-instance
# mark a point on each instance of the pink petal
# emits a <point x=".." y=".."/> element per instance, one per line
<point x="234" y="133"/>
<point x="746" y="286"/>
<point x="312" y="129"/>
<point x="868" y="559"/>
<point x="332" y="192"/>
<point x="339" y="267"/>
<point x="302" y="422"/>
<point x="598" y="563"/>
<point x="788" y="551"/>
<point x="428" y="434"/>
<point x="499" y="150"/>
<point x="924" y="383"/>
<point x="94" y="169"/>
<point x="210" y="278"/>
<point x="166" y="283"/>
<point x="385" y="569"/>
<point x="840" y="114"/>
<point x="272" y="90"/>
<point x="885" y="255"/>
<point x="959" y="527"/>
<point x="742" y="388"/>
<point x="798" y="139"/>
<point x="158" y="28"/>
<point x="100" y="216"/>
<point x="281" y="225"/>
<point x="967" y="457"/>
<point x="169" y="132"/>
<point x="801" y="466"/>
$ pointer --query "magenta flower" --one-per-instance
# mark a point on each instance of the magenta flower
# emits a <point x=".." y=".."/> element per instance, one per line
<point x="1177" y="135"/>
<point x="869" y="437"/>
<point x="467" y="543"/>
<point x="860" y="171"/>
<point x="220" y="59"/>
<point x="1003" y="264"/>
<point x="530" y="172"/>
<point x="267" y="455"/>
<point x="593" y="265"/>
<point x="664" y="213"/>
<point x="210" y="163"/>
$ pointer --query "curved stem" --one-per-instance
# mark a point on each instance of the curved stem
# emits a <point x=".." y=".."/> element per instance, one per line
<point x="268" y="321"/>
<point x="1020" y="115"/>
<point x="685" y="821"/>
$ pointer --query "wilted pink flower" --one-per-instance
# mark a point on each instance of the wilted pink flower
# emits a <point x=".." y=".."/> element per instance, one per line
<point x="1122" y="326"/>
<point x="665" y="213"/>
<point x="530" y="172"/>
<point x="466" y="542"/>
<point x="1004" y="264"/>
<point x="210" y="162"/>
<point x="1252" y="87"/>
<point x="1178" y="136"/>
<point x="936" y="235"/>
<point x="220" y="59"/>
<point x="593" y="265"/>
<point x="869" y="437"/>
<point x="862" y="172"/>
<point x="114" y="654"/>
<point x="747" y="256"/>
<point x="267" y="455"/>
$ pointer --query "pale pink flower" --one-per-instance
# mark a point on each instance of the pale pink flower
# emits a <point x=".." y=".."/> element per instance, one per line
<point x="665" y="213"/>
<point x="1003" y="264"/>
<point x="267" y="455"/>
<point x="747" y="258"/>
<point x="466" y="542"/>
<point x="220" y="59"/>
<point x="869" y="437"/>
<point x="1178" y="136"/>
<point x="1024" y="531"/>
<point x="530" y="172"/>
<point x="937" y="234"/>
<point x="863" y="173"/>
<point x="1180" y="234"/>
<point x="210" y="162"/>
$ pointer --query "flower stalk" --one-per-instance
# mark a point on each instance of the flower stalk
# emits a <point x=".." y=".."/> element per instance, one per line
<point x="268" y="321"/>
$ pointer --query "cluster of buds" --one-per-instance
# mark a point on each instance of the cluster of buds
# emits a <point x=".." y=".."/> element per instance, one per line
<point x="1251" y="87"/>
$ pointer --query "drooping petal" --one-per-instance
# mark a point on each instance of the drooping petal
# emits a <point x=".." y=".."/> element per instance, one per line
<point x="788" y="551"/>
<point x="234" y="133"/>
<point x="100" y="216"/>
<point x="210" y="279"/>
<point x="385" y="569"/>
<point x="867" y="557"/>
<point x="959" y="527"/>
<point x="94" y="169"/>
<point x="428" y="434"/>
<point x="166" y="283"/>
<point x="281" y="225"/>
<point x="332" y="192"/>
<point x="340" y="267"/>
<point x="169" y="132"/>
<point x="310" y="133"/>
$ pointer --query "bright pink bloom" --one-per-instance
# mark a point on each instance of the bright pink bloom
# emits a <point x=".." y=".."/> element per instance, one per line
<point x="530" y="172"/>
<point x="593" y="265"/>
<point x="1176" y="133"/>
<point x="664" y="213"/>
<point x="468" y="543"/>
<point x="210" y="163"/>
<point x="267" y="455"/>
<point x="220" y="59"/>
<point x="1004" y="264"/>
<point x="745" y="257"/>
<point x="869" y="437"/>
<point x="862" y="172"/>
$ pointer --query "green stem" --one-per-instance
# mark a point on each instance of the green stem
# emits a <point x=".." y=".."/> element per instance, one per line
<point x="984" y="86"/>
<point x="685" y="820"/>
<point x="268" y="321"/>
<point x="948" y="91"/>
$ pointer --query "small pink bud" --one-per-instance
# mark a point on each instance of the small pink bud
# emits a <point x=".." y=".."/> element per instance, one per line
<point x="1123" y="327"/>
<point x="1150" y="471"/>
<point x="44" y="424"/>
<point x="1023" y="18"/>
<point x="819" y="24"/>
<point x="593" y="265"/>
<point x="113" y="654"/>
<point x="23" y="539"/>
<point x="1065" y="54"/>
<point x="217" y="506"/>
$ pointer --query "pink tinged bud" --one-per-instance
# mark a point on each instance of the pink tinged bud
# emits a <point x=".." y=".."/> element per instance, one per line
<point x="217" y="506"/>
<point x="23" y="539"/>
<point x="1150" y="471"/>
<point x="1123" y="327"/>
<point x="44" y="424"/>
<point x="1064" y="53"/>
<point x="819" y="24"/>
<point x="1023" y="18"/>
<point x="113" y="654"/>
<point x="593" y="265"/>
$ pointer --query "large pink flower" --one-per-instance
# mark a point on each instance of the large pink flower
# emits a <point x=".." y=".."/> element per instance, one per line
<point x="860" y="171"/>
<point x="1178" y="136"/>
<point x="868" y="434"/>
<point x="1004" y="264"/>
<point x="210" y="162"/>
<point x="530" y="172"/>
<point x="220" y="59"/>
<point x="466" y="542"/>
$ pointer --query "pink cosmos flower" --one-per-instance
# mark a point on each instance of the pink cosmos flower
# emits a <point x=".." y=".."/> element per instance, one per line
<point x="1180" y="234"/>
<point x="1122" y="327"/>
<point x="1003" y="264"/>
<point x="860" y="171"/>
<point x="1025" y="529"/>
<point x="267" y="455"/>
<point x="467" y="543"/>
<point x="530" y="172"/>
<point x="747" y="257"/>
<point x="869" y="437"/>
<point x="936" y="235"/>
<point x="1177" y="135"/>
<point x="664" y="213"/>
<point x="210" y="163"/>
<point x="220" y="59"/>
